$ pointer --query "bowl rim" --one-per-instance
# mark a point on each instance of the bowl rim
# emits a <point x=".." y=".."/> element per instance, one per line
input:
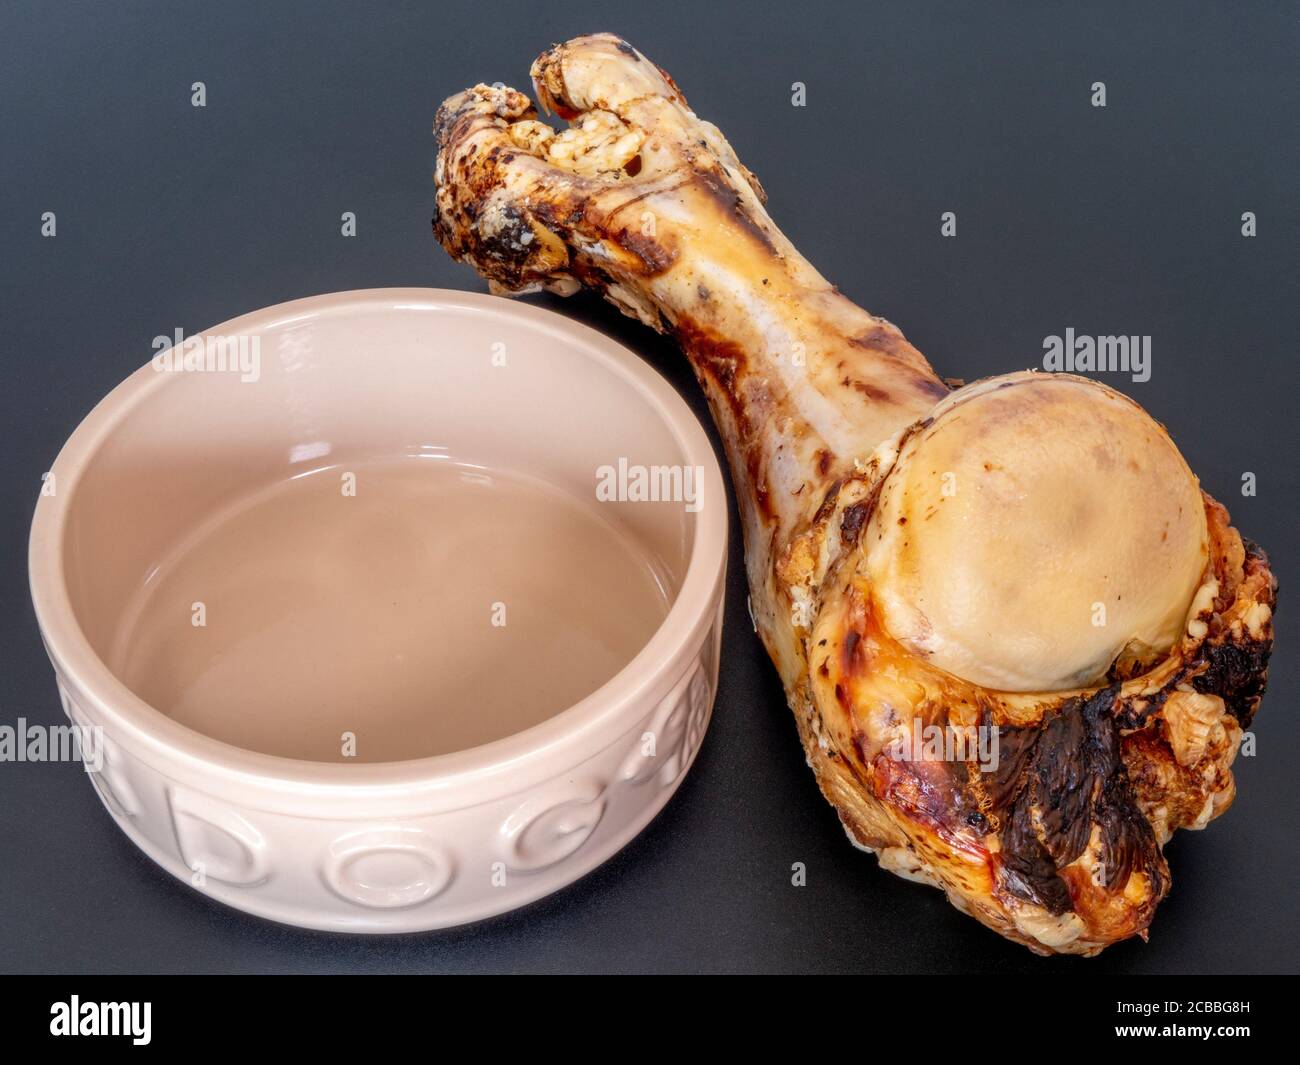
<point x="505" y="765"/>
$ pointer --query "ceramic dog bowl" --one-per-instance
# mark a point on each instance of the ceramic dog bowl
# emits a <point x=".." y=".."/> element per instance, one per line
<point x="394" y="609"/>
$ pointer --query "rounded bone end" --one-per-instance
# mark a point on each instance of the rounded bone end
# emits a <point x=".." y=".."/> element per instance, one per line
<point x="1034" y="529"/>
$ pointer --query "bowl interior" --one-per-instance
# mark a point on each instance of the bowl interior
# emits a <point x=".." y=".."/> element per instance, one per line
<point x="377" y="529"/>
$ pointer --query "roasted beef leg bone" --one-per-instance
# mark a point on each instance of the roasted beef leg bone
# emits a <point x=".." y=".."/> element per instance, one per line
<point x="1024" y="567"/>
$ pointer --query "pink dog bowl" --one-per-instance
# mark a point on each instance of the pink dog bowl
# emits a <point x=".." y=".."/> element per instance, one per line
<point x="396" y="609"/>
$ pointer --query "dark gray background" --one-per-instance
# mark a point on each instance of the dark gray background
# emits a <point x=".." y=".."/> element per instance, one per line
<point x="1117" y="220"/>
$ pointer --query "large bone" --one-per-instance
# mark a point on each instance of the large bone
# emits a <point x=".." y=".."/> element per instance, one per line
<point x="1029" y="554"/>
